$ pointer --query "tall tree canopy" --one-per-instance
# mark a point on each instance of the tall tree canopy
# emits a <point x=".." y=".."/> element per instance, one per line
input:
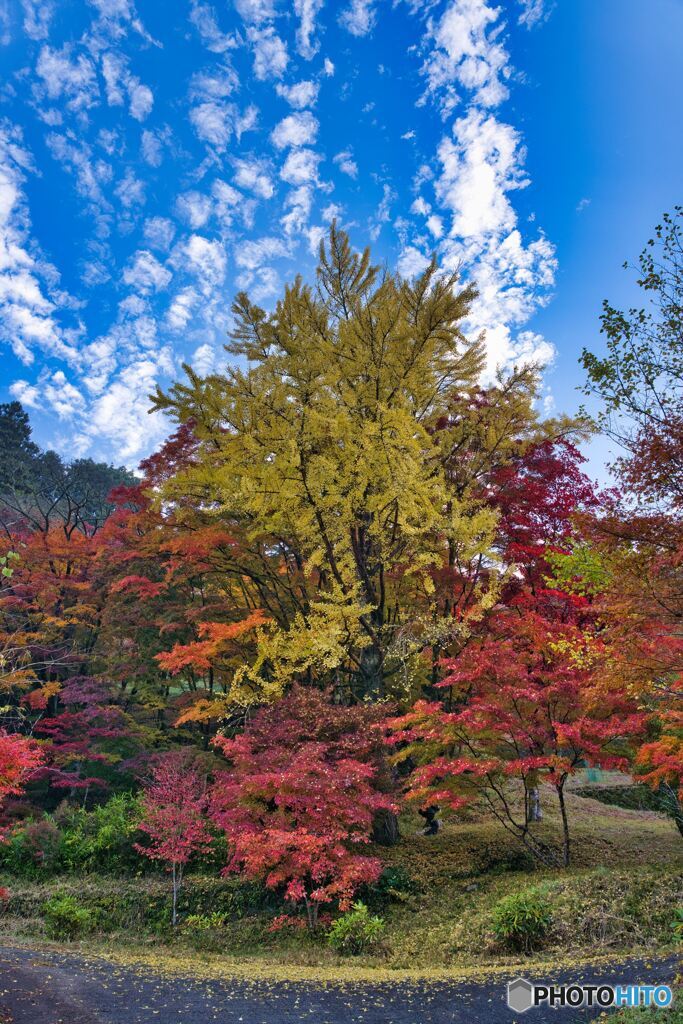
<point x="353" y="458"/>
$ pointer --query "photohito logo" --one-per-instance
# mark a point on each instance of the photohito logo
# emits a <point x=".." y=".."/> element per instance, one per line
<point x="523" y="995"/>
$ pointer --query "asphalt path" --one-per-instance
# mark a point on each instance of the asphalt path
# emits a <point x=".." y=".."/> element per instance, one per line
<point x="49" y="987"/>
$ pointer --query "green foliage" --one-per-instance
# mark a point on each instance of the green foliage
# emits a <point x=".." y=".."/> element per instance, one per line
<point x="394" y="885"/>
<point x="640" y="374"/>
<point x="356" y="932"/>
<point x="206" y="932"/>
<point x="580" y="571"/>
<point x="677" y="925"/>
<point x="65" y="918"/>
<point x="523" y="919"/>
<point x="76" y="840"/>
<point x="672" y="1015"/>
<point x="102" y="839"/>
<point x="637" y="797"/>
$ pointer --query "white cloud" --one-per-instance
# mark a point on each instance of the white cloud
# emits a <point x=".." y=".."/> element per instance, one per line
<point x="90" y="173"/>
<point x="131" y="190"/>
<point x="421" y="207"/>
<point x="435" y="225"/>
<point x="252" y="174"/>
<point x="29" y="314"/>
<point x="255" y="11"/>
<point x="328" y="67"/>
<point x="206" y="259"/>
<point x="481" y="164"/>
<point x="159" y="232"/>
<point x="383" y="211"/>
<point x="98" y="361"/>
<point x="146" y="273"/>
<point x="141" y="101"/>
<point x="227" y="202"/>
<point x="359" y="17"/>
<point x="213" y="119"/>
<point x="152" y="144"/>
<point x="204" y="359"/>
<point x="120" y="414"/>
<point x="213" y="123"/>
<point x="246" y="121"/>
<point x="119" y="82"/>
<point x="346" y="163"/>
<point x="301" y="167"/>
<point x="195" y="208"/>
<point x="468" y="53"/>
<point x="307" y="11"/>
<point x="255" y="252"/>
<point x="216" y="85"/>
<point x="299" y="129"/>
<point x="37" y="17"/>
<point x="27" y="394"/>
<point x="204" y="19"/>
<point x="300" y="95"/>
<point x="60" y="77"/>
<point x="412" y="262"/>
<point x="534" y="11"/>
<point x="120" y="9"/>
<point x="298" y="204"/>
<point x="181" y="309"/>
<point x="64" y="398"/>
<point x="270" y="53"/>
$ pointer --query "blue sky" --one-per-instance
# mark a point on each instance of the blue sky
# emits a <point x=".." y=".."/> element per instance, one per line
<point x="155" y="158"/>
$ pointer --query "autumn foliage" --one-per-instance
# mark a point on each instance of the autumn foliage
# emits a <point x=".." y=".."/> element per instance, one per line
<point x="298" y="800"/>
<point x="174" y="818"/>
<point x="356" y="572"/>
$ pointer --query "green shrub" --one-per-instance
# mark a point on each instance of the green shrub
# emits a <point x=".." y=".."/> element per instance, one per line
<point x="65" y="918"/>
<point x="74" y="840"/>
<point x="102" y="839"/>
<point x="636" y="797"/>
<point x="394" y="885"/>
<point x="356" y="932"/>
<point x="206" y="932"/>
<point x="677" y="925"/>
<point x="522" y="919"/>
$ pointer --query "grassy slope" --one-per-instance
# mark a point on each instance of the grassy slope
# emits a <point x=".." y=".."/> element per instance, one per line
<point x="619" y="896"/>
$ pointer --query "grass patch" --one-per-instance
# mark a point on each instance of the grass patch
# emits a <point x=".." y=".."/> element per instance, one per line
<point x="672" y="1015"/>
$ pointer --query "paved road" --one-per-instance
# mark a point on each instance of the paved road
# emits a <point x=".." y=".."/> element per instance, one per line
<point x="38" y="987"/>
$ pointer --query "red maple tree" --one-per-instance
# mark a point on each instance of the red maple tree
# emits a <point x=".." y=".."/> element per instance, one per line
<point x="298" y="801"/>
<point x="523" y="702"/>
<point x="174" y="817"/>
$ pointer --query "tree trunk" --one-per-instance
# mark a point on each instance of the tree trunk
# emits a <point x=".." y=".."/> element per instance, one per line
<point x="674" y="805"/>
<point x="312" y="914"/>
<point x="565" y="825"/>
<point x="370" y="672"/>
<point x="534" y="805"/>
<point x="385" y="830"/>
<point x="177" y="874"/>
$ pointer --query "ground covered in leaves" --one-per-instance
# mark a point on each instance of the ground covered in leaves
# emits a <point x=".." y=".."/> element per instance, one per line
<point x="49" y="987"/>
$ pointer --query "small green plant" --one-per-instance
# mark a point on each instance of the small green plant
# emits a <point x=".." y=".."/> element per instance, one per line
<point x="677" y="925"/>
<point x="356" y="932"/>
<point x="206" y="931"/>
<point x="522" y="920"/>
<point x="394" y="884"/>
<point x="65" y="918"/>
